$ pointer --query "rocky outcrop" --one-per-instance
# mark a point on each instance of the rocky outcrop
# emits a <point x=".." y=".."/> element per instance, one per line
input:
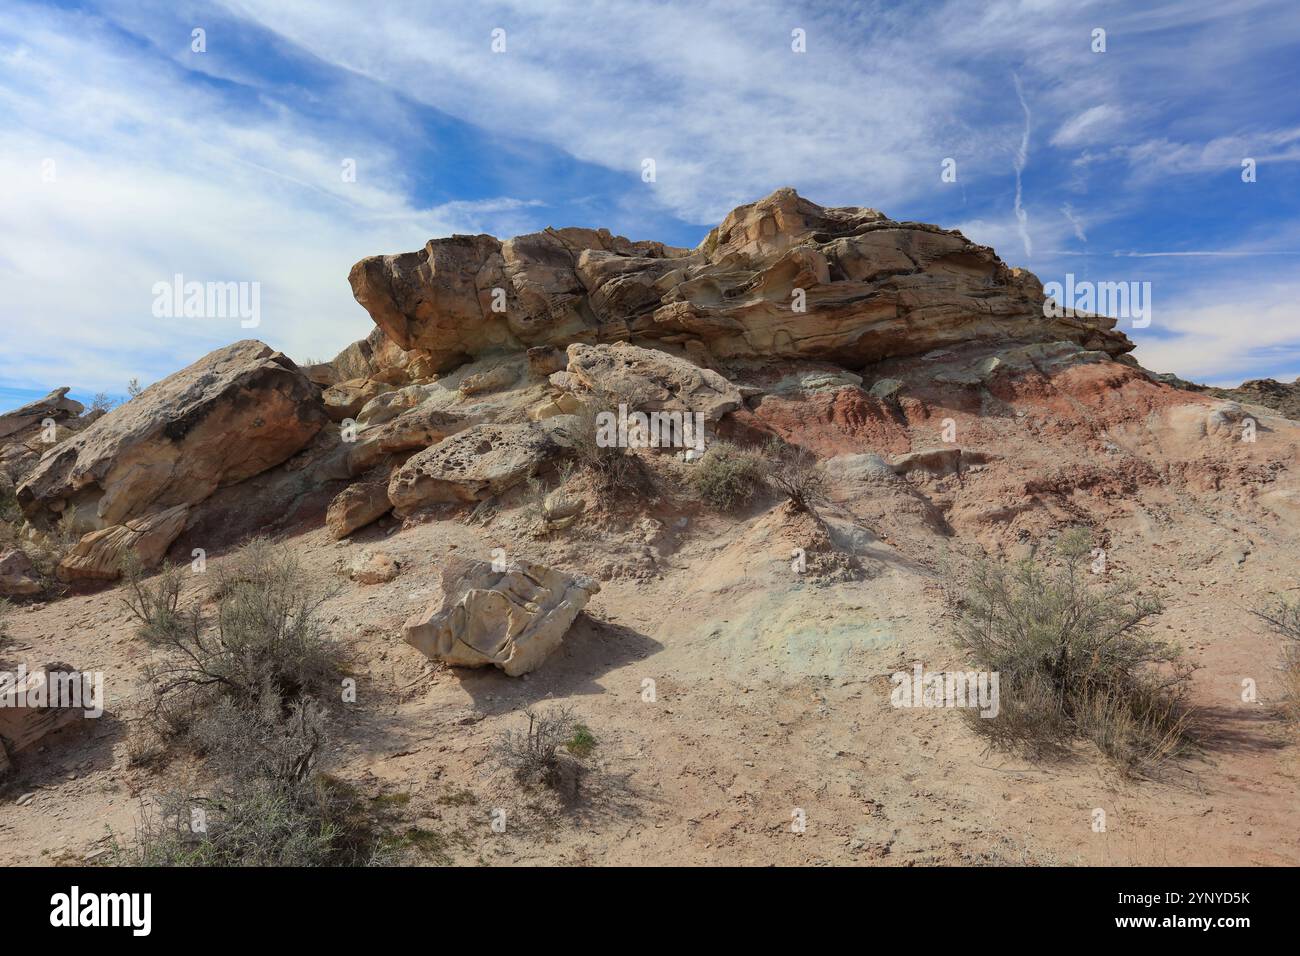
<point x="469" y="466"/>
<point x="56" y="406"/>
<point x="646" y="380"/>
<point x="510" y="618"/>
<point x="29" y="432"/>
<point x="231" y="415"/>
<point x="99" y="556"/>
<point x="467" y="296"/>
<point x="779" y="278"/>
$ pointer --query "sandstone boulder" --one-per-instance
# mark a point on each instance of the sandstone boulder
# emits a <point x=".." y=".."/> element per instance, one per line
<point x="231" y="415"/>
<point x="373" y="567"/>
<point x="467" y="467"/>
<point x="510" y="618"/>
<point x="18" y="576"/>
<point x="646" y="380"/>
<point x="56" y="406"/>
<point x="346" y="399"/>
<point x="357" y="506"/>
<point x="98" y="556"/>
<point x="34" y="704"/>
<point x="414" y="429"/>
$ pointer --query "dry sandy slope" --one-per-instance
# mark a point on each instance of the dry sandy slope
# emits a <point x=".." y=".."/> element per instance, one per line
<point x="772" y="689"/>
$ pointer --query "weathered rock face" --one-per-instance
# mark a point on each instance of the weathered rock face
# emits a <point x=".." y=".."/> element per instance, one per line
<point x="469" y="295"/>
<point x="779" y="278"/>
<point x="229" y="416"/>
<point x="469" y="466"/>
<point x="17" y="574"/>
<point x="29" y="432"/>
<point x="99" y="555"/>
<point x="34" y="704"/>
<point x="357" y="506"/>
<point x="56" y="406"/>
<point x="511" y="619"/>
<point x="646" y="380"/>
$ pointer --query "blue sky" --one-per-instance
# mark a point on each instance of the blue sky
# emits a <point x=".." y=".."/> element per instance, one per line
<point x="225" y="165"/>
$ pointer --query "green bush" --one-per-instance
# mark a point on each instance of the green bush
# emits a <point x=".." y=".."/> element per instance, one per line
<point x="1074" y="660"/>
<point x="533" y="754"/>
<point x="727" y="476"/>
<point x="265" y="635"/>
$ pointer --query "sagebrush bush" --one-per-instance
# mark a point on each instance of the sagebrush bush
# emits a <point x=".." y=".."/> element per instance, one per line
<point x="1074" y="659"/>
<point x="265" y="635"/>
<point x="614" y="468"/>
<point x="533" y="754"/>
<point x="270" y="806"/>
<point x="242" y="685"/>
<point x="1283" y="618"/>
<point x="727" y="476"/>
<point x="793" y="471"/>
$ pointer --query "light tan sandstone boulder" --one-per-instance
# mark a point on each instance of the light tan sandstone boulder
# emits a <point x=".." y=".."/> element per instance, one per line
<point x="99" y="555"/>
<point x="510" y="618"/>
<point x="357" y="506"/>
<point x="231" y="415"/>
<point x="471" y="465"/>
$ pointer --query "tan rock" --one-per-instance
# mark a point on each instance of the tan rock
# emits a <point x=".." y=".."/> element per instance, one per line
<point x="510" y="618"/>
<point x="373" y="567"/>
<point x="488" y="381"/>
<point x="357" y="506"/>
<point x="469" y="466"/>
<point x="56" y="406"/>
<point x="414" y="429"/>
<point x="346" y="399"/>
<point x="18" y="576"/>
<point x="98" y="556"/>
<point x="866" y="287"/>
<point x="231" y="415"/>
<point x="645" y="380"/>
<point x="34" y="704"/>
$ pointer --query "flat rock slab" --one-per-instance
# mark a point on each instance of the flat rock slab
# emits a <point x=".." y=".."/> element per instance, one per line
<point x="469" y="466"/>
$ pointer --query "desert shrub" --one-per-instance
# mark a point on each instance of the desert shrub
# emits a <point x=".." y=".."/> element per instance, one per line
<point x="270" y="807"/>
<point x="1074" y="659"/>
<point x="533" y="754"/>
<point x="264" y="636"/>
<point x="794" y="473"/>
<point x="134" y="389"/>
<point x="535" y="492"/>
<point x="1283" y="617"/>
<point x="613" y="468"/>
<point x="101" y="403"/>
<point x="727" y="476"/>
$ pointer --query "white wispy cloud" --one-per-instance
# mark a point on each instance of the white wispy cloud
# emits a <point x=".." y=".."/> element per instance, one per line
<point x="118" y="174"/>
